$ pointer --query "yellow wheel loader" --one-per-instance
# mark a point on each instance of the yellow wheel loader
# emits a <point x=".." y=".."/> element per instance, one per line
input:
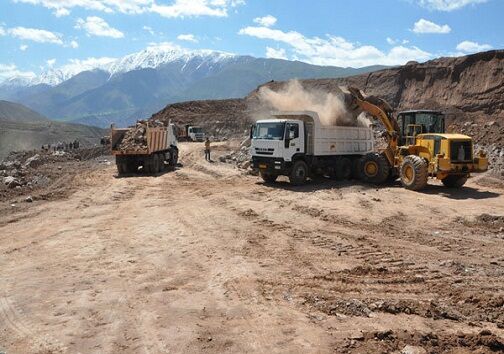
<point x="417" y="147"/>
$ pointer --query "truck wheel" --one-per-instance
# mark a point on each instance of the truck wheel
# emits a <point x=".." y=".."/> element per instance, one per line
<point x="122" y="168"/>
<point x="148" y="165"/>
<point x="374" y="168"/>
<point x="343" y="169"/>
<point x="132" y="167"/>
<point x="454" y="181"/>
<point x="174" y="158"/>
<point x="299" y="173"/>
<point x="414" y="173"/>
<point x="161" y="163"/>
<point x="268" y="177"/>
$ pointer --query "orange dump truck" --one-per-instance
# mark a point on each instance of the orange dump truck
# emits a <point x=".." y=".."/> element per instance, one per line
<point x="144" y="148"/>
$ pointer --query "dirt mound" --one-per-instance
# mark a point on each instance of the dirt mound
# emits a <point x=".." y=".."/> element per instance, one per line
<point x="469" y="88"/>
<point x="30" y="172"/>
<point x="221" y="118"/>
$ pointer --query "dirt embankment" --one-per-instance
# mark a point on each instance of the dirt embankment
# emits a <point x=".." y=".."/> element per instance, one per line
<point x="45" y="175"/>
<point x="469" y="88"/>
<point x="223" y="118"/>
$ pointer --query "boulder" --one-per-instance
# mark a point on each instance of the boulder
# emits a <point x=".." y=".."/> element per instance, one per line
<point x="410" y="349"/>
<point x="33" y="161"/>
<point x="12" y="182"/>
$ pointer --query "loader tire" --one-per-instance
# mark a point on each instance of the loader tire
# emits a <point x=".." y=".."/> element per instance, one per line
<point x="268" y="177"/>
<point x="299" y="173"/>
<point x="454" y="181"/>
<point x="374" y="168"/>
<point x="414" y="173"/>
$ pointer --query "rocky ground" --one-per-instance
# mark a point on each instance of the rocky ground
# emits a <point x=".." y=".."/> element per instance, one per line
<point x="41" y="175"/>
<point x="210" y="259"/>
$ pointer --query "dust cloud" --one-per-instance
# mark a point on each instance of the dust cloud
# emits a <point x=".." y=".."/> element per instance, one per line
<point x="330" y="107"/>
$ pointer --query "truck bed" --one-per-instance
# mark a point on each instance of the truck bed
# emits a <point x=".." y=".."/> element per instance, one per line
<point x="157" y="140"/>
<point x="338" y="140"/>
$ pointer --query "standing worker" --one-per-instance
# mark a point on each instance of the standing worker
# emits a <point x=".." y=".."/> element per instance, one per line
<point x="207" y="150"/>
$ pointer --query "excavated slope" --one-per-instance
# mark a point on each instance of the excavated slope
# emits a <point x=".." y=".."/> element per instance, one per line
<point x="470" y="87"/>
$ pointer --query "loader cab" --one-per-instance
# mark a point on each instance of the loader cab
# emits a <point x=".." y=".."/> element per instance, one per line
<point x="412" y="123"/>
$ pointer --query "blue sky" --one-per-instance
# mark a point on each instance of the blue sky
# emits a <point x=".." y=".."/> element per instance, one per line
<point x="38" y="34"/>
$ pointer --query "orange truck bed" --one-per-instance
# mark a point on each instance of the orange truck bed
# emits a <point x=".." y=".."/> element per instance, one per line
<point x="157" y="140"/>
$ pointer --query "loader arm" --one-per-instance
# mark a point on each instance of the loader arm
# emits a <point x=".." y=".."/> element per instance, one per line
<point x="379" y="109"/>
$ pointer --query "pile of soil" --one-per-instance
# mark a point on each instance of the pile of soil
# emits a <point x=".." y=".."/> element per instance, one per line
<point x="33" y="173"/>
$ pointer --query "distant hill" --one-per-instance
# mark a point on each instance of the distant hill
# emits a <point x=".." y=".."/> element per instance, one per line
<point x="14" y="112"/>
<point x="142" y="83"/>
<point x="24" y="129"/>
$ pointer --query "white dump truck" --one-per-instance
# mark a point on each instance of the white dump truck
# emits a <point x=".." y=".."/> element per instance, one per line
<point x="190" y="132"/>
<point x="297" y="145"/>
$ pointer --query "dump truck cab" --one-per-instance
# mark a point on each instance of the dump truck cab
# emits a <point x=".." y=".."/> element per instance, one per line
<point x="298" y="145"/>
<point x="195" y="133"/>
<point x="278" y="138"/>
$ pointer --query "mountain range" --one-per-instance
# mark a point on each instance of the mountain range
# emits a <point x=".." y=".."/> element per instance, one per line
<point x="136" y="86"/>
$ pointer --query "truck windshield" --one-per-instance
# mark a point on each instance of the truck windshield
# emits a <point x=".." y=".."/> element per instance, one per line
<point x="197" y="130"/>
<point x="269" y="131"/>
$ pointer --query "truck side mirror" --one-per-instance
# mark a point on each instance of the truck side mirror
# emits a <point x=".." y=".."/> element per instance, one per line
<point x="252" y="131"/>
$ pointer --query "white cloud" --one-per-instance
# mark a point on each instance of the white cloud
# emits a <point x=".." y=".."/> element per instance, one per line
<point x="393" y="41"/>
<point x="77" y="65"/>
<point x="276" y="53"/>
<point x="176" y="8"/>
<point x="472" y="47"/>
<point x="74" y="44"/>
<point x="11" y="70"/>
<point x="148" y="29"/>
<point x="51" y="62"/>
<point x="187" y="37"/>
<point x="61" y="12"/>
<point x="266" y="21"/>
<point x="448" y="5"/>
<point x="96" y="26"/>
<point x="63" y="7"/>
<point x="195" y="8"/>
<point x="336" y="50"/>
<point x="36" y="35"/>
<point x="425" y="26"/>
<point x="23" y="47"/>
<point x="2" y="32"/>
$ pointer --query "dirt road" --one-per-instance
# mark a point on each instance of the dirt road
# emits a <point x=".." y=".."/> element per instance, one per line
<point x="206" y="259"/>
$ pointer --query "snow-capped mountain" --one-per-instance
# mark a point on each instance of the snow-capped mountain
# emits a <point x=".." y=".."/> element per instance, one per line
<point x="152" y="57"/>
<point x="99" y="91"/>
<point x="156" y="56"/>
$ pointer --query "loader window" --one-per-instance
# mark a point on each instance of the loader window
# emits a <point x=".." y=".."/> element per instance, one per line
<point x="269" y="131"/>
<point x="431" y="123"/>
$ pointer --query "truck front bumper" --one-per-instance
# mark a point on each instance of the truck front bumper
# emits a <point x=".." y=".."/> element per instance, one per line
<point x="270" y="165"/>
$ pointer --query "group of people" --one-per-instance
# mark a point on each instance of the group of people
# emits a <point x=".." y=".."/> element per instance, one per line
<point x="62" y="146"/>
